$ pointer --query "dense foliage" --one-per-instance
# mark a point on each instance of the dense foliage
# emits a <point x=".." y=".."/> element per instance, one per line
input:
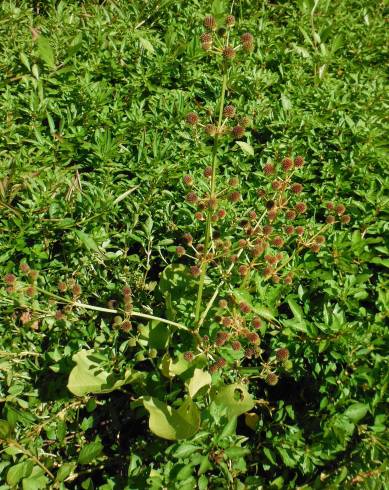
<point x="177" y="309"/>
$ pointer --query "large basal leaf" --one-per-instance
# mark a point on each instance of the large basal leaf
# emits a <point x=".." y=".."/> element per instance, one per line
<point x="170" y="423"/>
<point x="89" y="377"/>
<point x="199" y="379"/>
<point x="234" y="397"/>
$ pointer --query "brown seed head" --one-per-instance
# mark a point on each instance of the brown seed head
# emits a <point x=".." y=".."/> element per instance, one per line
<point x="236" y="345"/>
<point x="126" y="326"/>
<point x="187" y="180"/>
<point x="288" y="279"/>
<point x="282" y="354"/>
<point x="289" y="230"/>
<point x="296" y="188"/>
<point x="267" y="230"/>
<point x="207" y="172"/>
<point x="249" y="352"/>
<point x="340" y="209"/>
<point x="271" y="379"/>
<point x="320" y="239"/>
<point x="234" y="196"/>
<point x="9" y="279"/>
<point x="300" y="230"/>
<point x="191" y="197"/>
<point x="76" y="290"/>
<point x="276" y="185"/>
<point x="195" y="270"/>
<point x="299" y="161"/>
<point x="229" y="111"/>
<point x="345" y="219"/>
<point x="315" y="248"/>
<point x="188" y="238"/>
<point x="287" y="164"/>
<point x="245" y="121"/>
<point x="330" y="220"/>
<point x="25" y="268"/>
<point x="210" y="129"/>
<point x="221" y="338"/>
<point x="330" y="206"/>
<point x="210" y="22"/>
<point x="237" y="131"/>
<point x="272" y="214"/>
<point x="221" y="213"/>
<point x="243" y="270"/>
<point x="180" y="251"/>
<point x="244" y="307"/>
<point x="268" y="169"/>
<point x="33" y="274"/>
<point x="126" y="291"/>
<point x="233" y="182"/>
<point x="62" y="287"/>
<point x="242" y="243"/>
<point x="252" y="215"/>
<point x="192" y="118"/>
<point x="290" y="214"/>
<point x="253" y="338"/>
<point x="230" y="21"/>
<point x="257" y="322"/>
<point x="227" y="321"/>
<point x="277" y="241"/>
<point x="199" y="216"/>
<point x="188" y="356"/>
<point x="300" y="207"/>
<point x="223" y="304"/>
<point x="268" y="271"/>
<point x="229" y="53"/>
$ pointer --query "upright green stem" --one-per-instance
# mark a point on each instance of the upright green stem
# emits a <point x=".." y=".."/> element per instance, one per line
<point x="208" y="229"/>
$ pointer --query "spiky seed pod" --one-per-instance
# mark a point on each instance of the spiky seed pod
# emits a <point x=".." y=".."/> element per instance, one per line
<point x="199" y="216"/>
<point x="345" y="219"/>
<point x="242" y="243"/>
<point x="195" y="270"/>
<point x="271" y="379"/>
<point x="33" y="274"/>
<point x="126" y="326"/>
<point x="221" y="338"/>
<point x="244" y="307"/>
<point x="257" y="251"/>
<point x="276" y="185"/>
<point x="252" y="215"/>
<point x="126" y="291"/>
<point x="234" y="196"/>
<point x="187" y="180"/>
<point x="299" y="161"/>
<point x="282" y="354"/>
<point x="230" y="21"/>
<point x="247" y="40"/>
<point x="200" y="247"/>
<point x="233" y="258"/>
<point x="330" y="220"/>
<point x="236" y="345"/>
<point x="229" y="53"/>
<point x="289" y="230"/>
<point x="187" y="237"/>
<point x="214" y="218"/>
<point x="210" y="22"/>
<point x="223" y="304"/>
<point x="320" y="239"/>
<point x="191" y="197"/>
<point x="11" y="289"/>
<point x="206" y="46"/>
<point x="207" y="172"/>
<point x="268" y="271"/>
<point x="221" y="213"/>
<point x="180" y="251"/>
<point x="315" y="248"/>
<point x="31" y="291"/>
<point x="257" y="322"/>
<point x="300" y="230"/>
<point x="290" y="214"/>
<point x="272" y="215"/>
<point x="188" y="356"/>
<point x="249" y="352"/>
<point x="233" y="182"/>
<point x="243" y="270"/>
<point x="296" y="188"/>
<point x="59" y="315"/>
<point x="270" y="204"/>
<point x="287" y="164"/>
<point x="213" y="368"/>
<point x="279" y="256"/>
<point x="253" y="338"/>
<point x="62" y="287"/>
<point x="278" y="241"/>
<point x="206" y="41"/>
<point x="227" y="321"/>
<point x="192" y="118"/>
<point x="221" y="363"/>
<point x="270" y="259"/>
<point x="229" y="111"/>
<point x="9" y="279"/>
<point x="237" y="131"/>
<point x="288" y="279"/>
<point x="76" y="290"/>
<point x="330" y="206"/>
<point x="212" y="203"/>
<point x="25" y="268"/>
<point x="340" y="209"/>
<point x="300" y="207"/>
<point x="210" y="129"/>
<point x="267" y="230"/>
<point x="269" y="169"/>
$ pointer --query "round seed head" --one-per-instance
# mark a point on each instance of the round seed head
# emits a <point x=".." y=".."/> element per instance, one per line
<point x="276" y="185"/>
<point x="268" y="271"/>
<point x="192" y="118"/>
<point x="282" y="354"/>
<point x="221" y="213"/>
<point x="213" y="368"/>
<point x="330" y="206"/>
<point x="126" y="326"/>
<point x="257" y="322"/>
<point x="237" y="131"/>
<point x="229" y="111"/>
<point x="223" y="304"/>
<point x="288" y="279"/>
<point x="268" y="169"/>
<point x="242" y="243"/>
<point x="289" y="230"/>
<point x="271" y="379"/>
<point x="330" y="220"/>
<point x="244" y="307"/>
<point x="76" y="290"/>
<point x="230" y="21"/>
<point x="272" y="215"/>
<point x="300" y="230"/>
<point x="221" y="363"/>
<point x="191" y="197"/>
<point x="33" y="274"/>
<point x="252" y="215"/>
<point x="315" y="248"/>
<point x="187" y="180"/>
<point x="207" y="172"/>
<point x="212" y="203"/>
<point x="296" y="188"/>
<point x="340" y="209"/>
<point x="249" y="352"/>
<point x="199" y="216"/>
<point x="210" y="22"/>
<point x="320" y="239"/>
<point x="234" y="196"/>
<point x="180" y="251"/>
<point x="267" y="230"/>
<point x="236" y="345"/>
<point x="299" y="161"/>
<point x="126" y="291"/>
<point x="253" y="338"/>
<point x="233" y="182"/>
<point x="9" y="279"/>
<point x="233" y="258"/>
<point x="31" y="291"/>
<point x="243" y="270"/>
<point x="188" y="356"/>
<point x="221" y="338"/>
<point x="300" y="207"/>
<point x="25" y="268"/>
<point x="62" y="287"/>
<point x="210" y="129"/>
<point x="277" y="241"/>
<point x="206" y="37"/>
<point x="227" y="321"/>
<point x="290" y="214"/>
<point x="195" y="270"/>
<point x="247" y="37"/>
<point x="245" y="121"/>
<point x="229" y="53"/>
<point x="257" y="251"/>
<point x="188" y="238"/>
<point x="345" y="219"/>
<point x="287" y="164"/>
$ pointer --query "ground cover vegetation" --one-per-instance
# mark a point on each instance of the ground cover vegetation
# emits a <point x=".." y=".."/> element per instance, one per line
<point x="192" y="246"/>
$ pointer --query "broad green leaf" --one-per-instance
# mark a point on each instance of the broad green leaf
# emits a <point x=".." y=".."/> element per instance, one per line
<point x="88" y="376"/>
<point x="234" y="397"/>
<point x="90" y="452"/>
<point x="170" y="423"/>
<point x="87" y="240"/>
<point x="36" y="481"/>
<point x="46" y="52"/>
<point x="296" y="309"/>
<point x="246" y="147"/>
<point x="5" y="429"/>
<point x="19" y="471"/>
<point x="356" y="412"/>
<point x="146" y="44"/>
<point x="199" y="379"/>
<point x="64" y="471"/>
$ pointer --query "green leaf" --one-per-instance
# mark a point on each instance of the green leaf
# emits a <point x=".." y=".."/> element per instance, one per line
<point x="172" y="424"/>
<point x="45" y="51"/>
<point x="146" y="44"/>
<point x="234" y="397"/>
<point x="246" y="147"/>
<point x="36" y="481"/>
<point x="90" y="452"/>
<point x="296" y="309"/>
<point x="64" y="471"/>
<point x="356" y="412"/>
<point x="19" y="471"/>
<point x="199" y="379"/>
<point x="88" y="376"/>
<point x="87" y="240"/>
<point x="5" y="429"/>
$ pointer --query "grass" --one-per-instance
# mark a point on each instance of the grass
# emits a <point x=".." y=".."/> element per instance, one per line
<point x="93" y="149"/>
